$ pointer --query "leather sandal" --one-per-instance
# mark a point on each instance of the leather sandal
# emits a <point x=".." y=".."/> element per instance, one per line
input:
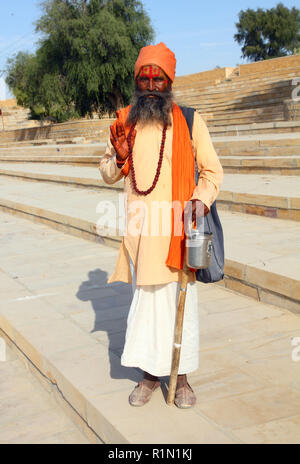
<point x="142" y="394"/>
<point x="185" y="397"/>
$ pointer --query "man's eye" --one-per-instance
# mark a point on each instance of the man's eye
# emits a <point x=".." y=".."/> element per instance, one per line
<point x="158" y="79"/>
<point x="144" y="79"/>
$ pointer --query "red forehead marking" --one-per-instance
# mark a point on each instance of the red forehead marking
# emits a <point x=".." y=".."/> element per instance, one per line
<point x="150" y="71"/>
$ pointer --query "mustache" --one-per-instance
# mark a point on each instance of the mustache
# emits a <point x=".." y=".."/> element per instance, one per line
<point x="146" y="93"/>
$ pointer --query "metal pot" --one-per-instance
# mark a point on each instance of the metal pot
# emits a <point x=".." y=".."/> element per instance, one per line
<point x="198" y="249"/>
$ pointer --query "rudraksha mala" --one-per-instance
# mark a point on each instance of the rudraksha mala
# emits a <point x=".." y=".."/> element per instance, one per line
<point x="161" y="155"/>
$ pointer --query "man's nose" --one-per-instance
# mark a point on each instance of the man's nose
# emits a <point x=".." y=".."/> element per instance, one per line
<point x="151" y="85"/>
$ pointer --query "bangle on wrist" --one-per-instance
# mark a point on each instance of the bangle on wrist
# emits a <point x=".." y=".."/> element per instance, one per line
<point x="120" y="160"/>
<point x="120" y="164"/>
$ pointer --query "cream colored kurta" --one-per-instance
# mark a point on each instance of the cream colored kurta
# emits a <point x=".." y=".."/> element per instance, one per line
<point x="147" y="239"/>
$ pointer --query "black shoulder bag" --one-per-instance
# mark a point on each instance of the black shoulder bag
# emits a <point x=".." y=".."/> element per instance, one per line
<point x="212" y="225"/>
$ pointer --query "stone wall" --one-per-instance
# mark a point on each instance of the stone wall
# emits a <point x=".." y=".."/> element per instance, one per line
<point x="93" y="129"/>
<point x="291" y="110"/>
<point x="11" y="103"/>
<point x="268" y="66"/>
<point x="215" y="74"/>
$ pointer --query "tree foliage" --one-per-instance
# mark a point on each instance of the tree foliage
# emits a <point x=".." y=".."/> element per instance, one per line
<point x="266" y="34"/>
<point x="85" y="59"/>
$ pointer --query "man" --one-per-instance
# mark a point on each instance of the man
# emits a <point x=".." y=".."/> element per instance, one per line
<point x="150" y="147"/>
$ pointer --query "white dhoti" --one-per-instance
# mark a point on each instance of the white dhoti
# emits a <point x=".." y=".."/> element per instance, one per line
<point x="151" y="326"/>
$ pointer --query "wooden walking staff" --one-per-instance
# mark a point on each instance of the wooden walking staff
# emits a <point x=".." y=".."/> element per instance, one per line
<point x="178" y="335"/>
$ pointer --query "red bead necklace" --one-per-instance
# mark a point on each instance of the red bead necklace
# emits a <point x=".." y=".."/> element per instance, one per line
<point x="161" y="155"/>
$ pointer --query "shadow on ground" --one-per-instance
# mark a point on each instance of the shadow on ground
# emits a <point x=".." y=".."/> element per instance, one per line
<point x="111" y="303"/>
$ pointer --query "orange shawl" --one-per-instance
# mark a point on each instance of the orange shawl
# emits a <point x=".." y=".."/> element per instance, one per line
<point x="183" y="180"/>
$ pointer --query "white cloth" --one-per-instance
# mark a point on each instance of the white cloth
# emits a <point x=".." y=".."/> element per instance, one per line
<point x="151" y="325"/>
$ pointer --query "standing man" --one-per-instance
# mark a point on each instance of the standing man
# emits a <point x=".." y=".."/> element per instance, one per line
<point x="150" y="147"/>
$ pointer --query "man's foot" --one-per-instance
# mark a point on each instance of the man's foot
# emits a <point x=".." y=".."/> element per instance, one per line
<point x="149" y="380"/>
<point x="142" y="393"/>
<point x="184" y="397"/>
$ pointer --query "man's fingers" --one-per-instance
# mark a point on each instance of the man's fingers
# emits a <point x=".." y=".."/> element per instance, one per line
<point x="113" y="133"/>
<point x="198" y="208"/>
<point x="113" y="137"/>
<point x="113" y="142"/>
<point x="206" y="210"/>
<point x="120" y="130"/>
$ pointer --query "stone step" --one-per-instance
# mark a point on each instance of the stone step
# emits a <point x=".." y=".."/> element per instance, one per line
<point x="235" y="100"/>
<point x="77" y="160"/>
<point x="284" y="165"/>
<point x="261" y="253"/>
<point x="264" y="195"/>
<point x="246" y="84"/>
<point x="234" y="120"/>
<point x="231" y="91"/>
<point x="243" y="116"/>
<point x="74" y="175"/>
<point x="256" y="150"/>
<point x="265" y="111"/>
<point x="272" y="196"/>
<point x="275" y="128"/>
<point x="57" y="308"/>
<point x="43" y="142"/>
<point x="30" y="414"/>
<point x="258" y="145"/>
<point x="98" y="130"/>
<point x="80" y="128"/>
<point x="95" y="149"/>
<point x="272" y="145"/>
<point x="258" y="128"/>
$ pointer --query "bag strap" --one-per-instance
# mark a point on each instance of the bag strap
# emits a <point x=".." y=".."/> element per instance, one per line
<point x="188" y="113"/>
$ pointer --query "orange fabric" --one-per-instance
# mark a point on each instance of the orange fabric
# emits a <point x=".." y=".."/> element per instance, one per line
<point x="183" y="181"/>
<point x="183" y="178"/>
<point x="158" y="54"/>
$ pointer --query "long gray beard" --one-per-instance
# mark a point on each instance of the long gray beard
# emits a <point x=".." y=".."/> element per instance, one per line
<point x="148" y="110"/>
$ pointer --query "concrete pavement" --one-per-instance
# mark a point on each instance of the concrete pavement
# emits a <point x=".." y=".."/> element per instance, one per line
<point x="57" y="308"/>
<point x="28" y="413"/>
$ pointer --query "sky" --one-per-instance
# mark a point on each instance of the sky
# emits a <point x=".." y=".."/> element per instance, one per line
<point x="199" y="32"/>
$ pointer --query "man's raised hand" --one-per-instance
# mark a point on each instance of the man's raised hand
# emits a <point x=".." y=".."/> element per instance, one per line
<point x="119" y="141"/>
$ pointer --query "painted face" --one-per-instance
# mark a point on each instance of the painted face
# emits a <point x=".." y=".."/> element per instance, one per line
<point x="152" y="77"/>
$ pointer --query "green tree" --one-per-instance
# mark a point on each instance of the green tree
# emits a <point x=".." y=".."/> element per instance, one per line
<point x="85" y="58"/>
<point x="44" y="93"/>
<point x="266" y="34"/>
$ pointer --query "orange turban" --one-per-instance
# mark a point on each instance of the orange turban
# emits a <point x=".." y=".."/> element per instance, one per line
<point x="160" y="55"/>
